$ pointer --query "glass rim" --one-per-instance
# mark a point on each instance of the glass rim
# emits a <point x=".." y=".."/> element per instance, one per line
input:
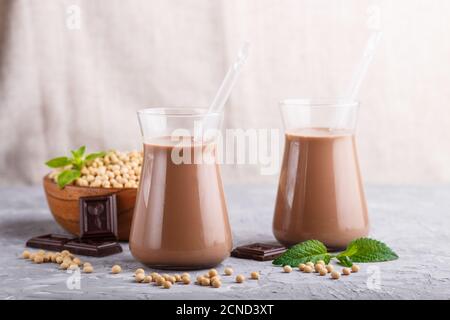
<point x="320" y="103"/>
<point x="182" y="112"/>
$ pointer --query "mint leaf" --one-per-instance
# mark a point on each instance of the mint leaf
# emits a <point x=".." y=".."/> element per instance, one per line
<point x="78" y="154"/>
<point x="311" y="250"/>
<point x="96" y="155"/>
<point x="78" y="160"/>
<point x="368" y="250"/>
<point x="58" y="162"/>
<point x="345" y="261"/>
<point x="67" y="176"/>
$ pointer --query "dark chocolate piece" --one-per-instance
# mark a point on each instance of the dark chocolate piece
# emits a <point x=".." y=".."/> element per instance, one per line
<point x="98" y="230"/>
<point x="53" y="242"/>
<point x="258" y="251"/>
<point x="98" y="218"/>
<point x="93" y="248"/>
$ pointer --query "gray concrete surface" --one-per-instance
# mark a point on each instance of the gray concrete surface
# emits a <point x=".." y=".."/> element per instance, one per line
<point x="414" y="221"/>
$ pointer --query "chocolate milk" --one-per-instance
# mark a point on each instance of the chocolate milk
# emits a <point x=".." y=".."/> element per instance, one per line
<point x="180" y="219"/>
<point x="320" y="193"/>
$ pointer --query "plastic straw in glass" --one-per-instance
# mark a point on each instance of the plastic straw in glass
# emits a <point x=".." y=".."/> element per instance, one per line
<point x="230" y="80"/>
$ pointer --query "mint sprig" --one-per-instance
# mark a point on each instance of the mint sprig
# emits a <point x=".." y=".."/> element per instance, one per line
<point x="311" y="250"/>
<point x="95" y="155"/>
<point x="360" y="250"/>
<point x="367" y="250"/>
<point x="78" y="154"/>
<point x="58" y="162"/>
<point x="66" y="177"/>
<point x="73" y="165"/>
<point x="345" y="261"/>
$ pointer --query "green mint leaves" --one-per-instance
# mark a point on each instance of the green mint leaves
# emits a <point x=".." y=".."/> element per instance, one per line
<point x="311" y="250"/>
<point x="359" y="250"/>
<point x="58" y="162"/>
<point x="66" y="177"/>
<point x="367" y="250"/>
<point x="74" y="165"/>
<point x="78" y="154"/>
<point x="93" y="156"/>
<point x="345" y="261"/>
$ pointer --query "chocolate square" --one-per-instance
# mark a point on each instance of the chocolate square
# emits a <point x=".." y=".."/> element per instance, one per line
<point x="93" y="248"/>
<point x="53" y="242"/>
<point x="98" y="230"/>
<point x="98" y="218"/>
<point x="258" y="251"/>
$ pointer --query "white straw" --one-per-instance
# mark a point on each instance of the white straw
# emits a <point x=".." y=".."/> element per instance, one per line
<point x="229" y="81"/>
<point x="363" y="66"/>
<point x="359" y="74"/>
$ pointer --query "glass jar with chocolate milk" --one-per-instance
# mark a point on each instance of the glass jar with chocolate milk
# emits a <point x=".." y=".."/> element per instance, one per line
<point x="320" y="193"/>
<point x="180" y="219"/>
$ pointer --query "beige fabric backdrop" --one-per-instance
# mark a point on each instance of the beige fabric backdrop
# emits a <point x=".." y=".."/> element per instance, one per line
<point x="60" y="88"/>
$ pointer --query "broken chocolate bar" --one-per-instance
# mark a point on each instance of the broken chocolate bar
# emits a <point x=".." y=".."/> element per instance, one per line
<point x="53" y="242"/>
<point x="98" y="218"/>
<point x="258" y="251"/>
<point x="93" y="248"/>
<point x="98" y="230"/>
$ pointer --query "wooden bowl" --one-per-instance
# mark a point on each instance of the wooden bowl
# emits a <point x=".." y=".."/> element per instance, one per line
<point x="64" y="206"/>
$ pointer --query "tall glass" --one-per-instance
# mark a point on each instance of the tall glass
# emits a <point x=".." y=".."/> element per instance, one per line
<point x="320" y="193"/>
<point x="180" y="219"/>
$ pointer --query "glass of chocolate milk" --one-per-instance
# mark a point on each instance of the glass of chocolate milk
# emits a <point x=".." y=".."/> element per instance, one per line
<point x="180" y="218"/>
<point x="320" y="193"/>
